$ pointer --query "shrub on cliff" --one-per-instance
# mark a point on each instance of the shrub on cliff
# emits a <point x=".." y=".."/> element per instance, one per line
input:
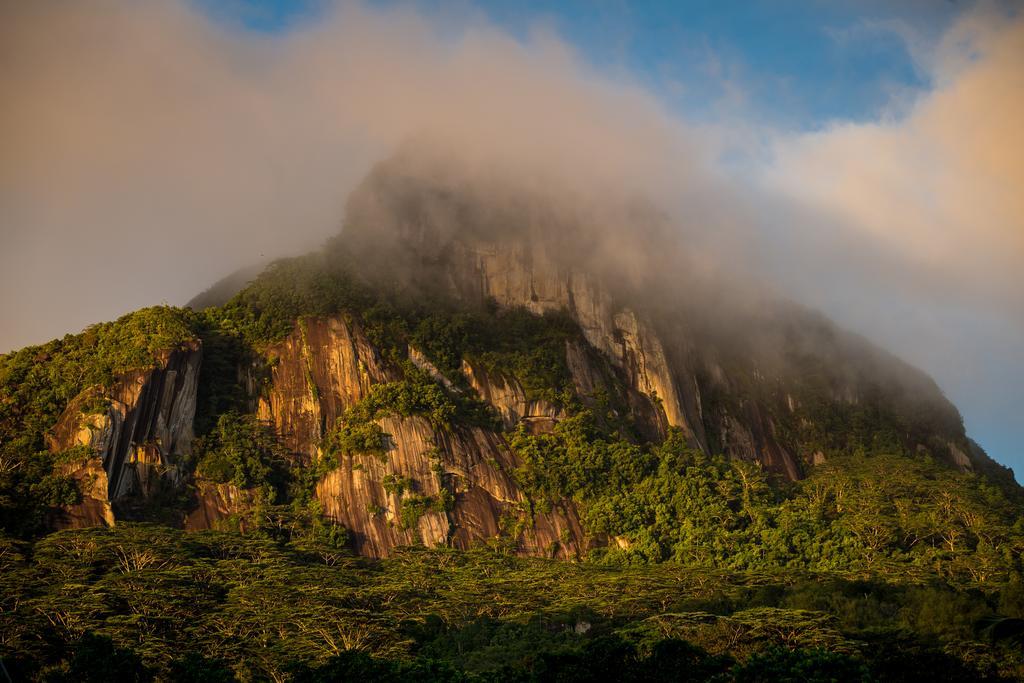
<point x="354" y="437"/>
<point x="241" y="451"/>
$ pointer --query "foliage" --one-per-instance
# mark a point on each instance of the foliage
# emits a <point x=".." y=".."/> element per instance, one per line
<point x="417" y="394"/>
<point x="352" y="437"/>
<point x="415" y="506"/>
<point x="779" y="665"/>
<point x="396" y="485"/>
<point x="37" y="382"/>
<point x="54" y="490"/>
<point x="576" y="461"/>
<point x="241" y="451"/>
<point x="514" y="342"/>
<point x="136" y="602"/>
<point x="227" y="357"/>
<point x="266" y="310"/>
<point x="829" y="392"/>
<point x="668" y="502"/>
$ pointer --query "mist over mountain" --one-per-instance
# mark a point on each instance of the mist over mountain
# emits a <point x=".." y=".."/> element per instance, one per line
<point x="918" y="243"/>
<point x="495" y="365"/>
<point x="422" y="223"/>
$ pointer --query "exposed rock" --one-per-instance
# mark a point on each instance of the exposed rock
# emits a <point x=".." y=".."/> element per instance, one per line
<point x="472" y="464"/>
<point x="94" y="508"/>
<point x="740" y="380"/>
<point x="585" y="376"/>
<point x="324" y="367"/>
<point x="644" y="360"/>
<point x="423" y="363"/>
<point x="140" y="436"/>
<point x="327" y="365"/>
<point x="516" y="276"/>
<point x="555" y="534"/>
<point x="510" y="274"/>
<point x="959" y="457"/>
<point x="508" y="397"/>
<point x="645" y="364"/>
<point x="753" y="439"/>
<point x="478" y="464"/>
<point x="475" y="458"/>
<point x="354" y="494"/>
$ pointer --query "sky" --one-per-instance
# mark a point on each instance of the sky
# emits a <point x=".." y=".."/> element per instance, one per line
<point x="866" y="157"/>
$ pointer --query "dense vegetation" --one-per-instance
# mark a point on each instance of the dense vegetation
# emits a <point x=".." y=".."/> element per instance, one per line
<point x="881" y="564"/>
<point x="240" y="451"/>
<point x="142" y="602"/>
<point x="667" y="502"/>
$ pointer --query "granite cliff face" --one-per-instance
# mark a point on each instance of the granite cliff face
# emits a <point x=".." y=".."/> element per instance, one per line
<point x="473" y="464"/>
<point x="317" y="372"/>
<point x="138" y="437"/>
<point x="324" y="368"/>
<point x="135" y="448"/>
<point x="510" y="400"/>
<point x="630" y="342"/>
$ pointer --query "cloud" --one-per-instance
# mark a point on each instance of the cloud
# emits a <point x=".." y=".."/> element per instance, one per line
<point x="939" y="187"/>
<point x="917" y="222"/>
<point x="148" y="150"/>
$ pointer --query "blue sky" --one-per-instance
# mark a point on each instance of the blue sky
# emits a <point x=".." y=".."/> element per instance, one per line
<point x="781" y="62"/>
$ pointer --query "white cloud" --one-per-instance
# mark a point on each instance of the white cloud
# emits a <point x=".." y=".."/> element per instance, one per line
<point x="941" y="186"/>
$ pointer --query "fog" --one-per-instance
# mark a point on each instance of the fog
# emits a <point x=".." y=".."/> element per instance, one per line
<point x="146" y="151"/>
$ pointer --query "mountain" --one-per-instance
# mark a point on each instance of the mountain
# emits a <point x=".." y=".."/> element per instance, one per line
<point x="453" y="319"/>
<point x="477" y="363"/>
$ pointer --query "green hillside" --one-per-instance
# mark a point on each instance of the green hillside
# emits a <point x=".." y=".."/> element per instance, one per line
<point x="880" y="563"/>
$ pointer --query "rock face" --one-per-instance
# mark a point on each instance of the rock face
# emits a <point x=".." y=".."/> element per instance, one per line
<point x="507" y="396"/>
<point x="661" y="393"/>
<point x="629" y="342"/>
<point x="94" y="508"/>
<point x="318" y="372"/>
<point x="372" y="495"/>
<point x="451" y="487"/>
<point x="215" y="503"/>
<point x="138" y="438"/>
<point x="514" y="276"/>
<point x="396" y="499"/>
